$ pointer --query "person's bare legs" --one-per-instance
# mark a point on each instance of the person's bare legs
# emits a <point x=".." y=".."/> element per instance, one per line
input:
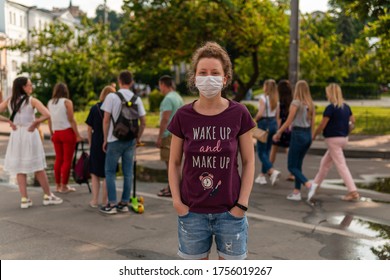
<point x="43" y="181"/>
<point x="167" y="165"/>
<point x="22" y="183"/>
<point x="167" y="190"/>
<point x="95" y="189"/>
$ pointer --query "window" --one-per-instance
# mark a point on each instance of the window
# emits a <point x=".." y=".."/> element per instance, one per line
<point x="10" y="17"/>
<point x="21" y="21"/>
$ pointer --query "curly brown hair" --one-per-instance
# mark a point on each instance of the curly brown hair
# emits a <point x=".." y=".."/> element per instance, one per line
<point x="210" y="50"/>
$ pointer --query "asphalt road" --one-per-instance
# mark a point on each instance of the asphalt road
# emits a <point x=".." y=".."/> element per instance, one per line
<point x="329" y="229"/>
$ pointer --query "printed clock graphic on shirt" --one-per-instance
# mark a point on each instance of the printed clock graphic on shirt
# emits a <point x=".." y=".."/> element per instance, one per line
<point x="206" y="179"/>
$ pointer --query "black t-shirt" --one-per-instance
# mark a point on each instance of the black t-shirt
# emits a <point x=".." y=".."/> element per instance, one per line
<point x="338" y="125"/>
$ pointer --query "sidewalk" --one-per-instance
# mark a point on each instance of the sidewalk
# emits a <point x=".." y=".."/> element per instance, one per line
<point x="279" y="229"/>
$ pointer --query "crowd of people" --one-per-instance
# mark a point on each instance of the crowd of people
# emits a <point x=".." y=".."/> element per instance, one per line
<point x="200" y="143"/>
<point x="291" y="124"/>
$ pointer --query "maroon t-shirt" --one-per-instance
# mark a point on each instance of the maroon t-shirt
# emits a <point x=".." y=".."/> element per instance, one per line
<point x="210" y="180"/>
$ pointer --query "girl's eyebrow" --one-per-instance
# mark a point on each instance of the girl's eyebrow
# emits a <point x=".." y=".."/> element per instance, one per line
<point x="212" y="69"/>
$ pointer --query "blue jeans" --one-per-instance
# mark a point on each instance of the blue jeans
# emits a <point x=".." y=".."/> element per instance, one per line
<point x="196" y="235"/>
<point x="299" y="145"/>
<point x="263" y="149"/>
<point x="115" y="151"/>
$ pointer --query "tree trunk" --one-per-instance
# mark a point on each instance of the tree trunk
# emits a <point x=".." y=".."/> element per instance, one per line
<point x="243" y="88"/>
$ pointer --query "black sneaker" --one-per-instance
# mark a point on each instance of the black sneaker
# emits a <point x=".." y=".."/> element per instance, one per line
<point x="108" y="209"/>
<point x="122" y="207"/>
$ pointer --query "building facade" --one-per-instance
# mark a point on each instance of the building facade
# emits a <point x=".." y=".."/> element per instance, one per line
<point x="17" y="21"/>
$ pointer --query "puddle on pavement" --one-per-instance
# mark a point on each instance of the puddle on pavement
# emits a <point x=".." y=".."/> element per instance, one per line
<point x="377" y="246"/>
<point x="381" y="184"/>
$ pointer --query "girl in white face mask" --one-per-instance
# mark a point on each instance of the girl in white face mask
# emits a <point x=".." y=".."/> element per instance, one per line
<point x="209" y="86"/>
<point x="210" y="79"/>
<point x="214" y="131"/>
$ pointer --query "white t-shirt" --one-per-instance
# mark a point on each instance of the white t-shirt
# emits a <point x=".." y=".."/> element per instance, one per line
<point x="267" y="107"/>
<point x="112" y="105"/>
<point x="59" y="118"/>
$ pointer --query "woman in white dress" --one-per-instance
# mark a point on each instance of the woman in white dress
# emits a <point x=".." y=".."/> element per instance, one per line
<point x="25" y="152"/>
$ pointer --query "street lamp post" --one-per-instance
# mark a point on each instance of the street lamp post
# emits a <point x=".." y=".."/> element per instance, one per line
<point x="293" y="65"/>
<point x="105" y="20"/>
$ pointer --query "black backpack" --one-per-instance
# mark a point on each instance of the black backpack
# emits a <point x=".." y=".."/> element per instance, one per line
<point x="126" y="127"/>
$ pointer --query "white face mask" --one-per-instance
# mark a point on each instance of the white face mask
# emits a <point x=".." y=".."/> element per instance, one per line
<point x="209" y="86"/>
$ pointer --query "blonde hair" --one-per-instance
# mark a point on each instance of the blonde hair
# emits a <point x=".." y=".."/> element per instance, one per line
<point x="302" y="93"/>
<point x="270" y="89"/>
<point x="105" y="91"/>
<point x="335" y="95"/>
<point x="210" y="50"/>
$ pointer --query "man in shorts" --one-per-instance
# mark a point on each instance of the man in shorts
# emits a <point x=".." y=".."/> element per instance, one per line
<point x="171" y="103"/>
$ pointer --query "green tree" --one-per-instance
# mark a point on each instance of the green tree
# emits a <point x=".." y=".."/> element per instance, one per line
<point x="321" y="49"/>
<point x="380" y="55"/>
<point x="349" y="27"/>
<point x="372" y="63"/>
<point x="366" y="10"/>
<point x="166" y="32"/>
<point x="114" y="19"/>
<point x="84" y="58"/>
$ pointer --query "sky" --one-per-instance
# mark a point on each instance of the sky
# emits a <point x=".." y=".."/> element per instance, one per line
<point x="89" y="6"/>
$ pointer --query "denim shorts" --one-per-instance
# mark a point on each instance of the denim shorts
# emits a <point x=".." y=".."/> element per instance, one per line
<point x="196" y="233"/>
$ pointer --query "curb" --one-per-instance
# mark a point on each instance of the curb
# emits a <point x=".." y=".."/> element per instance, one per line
<point x="348" y="153"/>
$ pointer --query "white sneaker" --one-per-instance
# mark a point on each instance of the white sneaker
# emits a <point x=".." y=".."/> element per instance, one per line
<point x="261" y="180"/>
<point x="274" y="176"/>
<point x="312" y="191"/>
<point x="25" y="203"/>
<point x="51" y="200"/>
<point x="294" y="196"/>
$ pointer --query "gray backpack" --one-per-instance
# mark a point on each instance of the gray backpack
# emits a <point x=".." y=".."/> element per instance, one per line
<point x="126" y="127"/>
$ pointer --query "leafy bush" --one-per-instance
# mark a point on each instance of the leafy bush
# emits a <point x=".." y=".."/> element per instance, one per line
<point x="350" y="91"/>
<point x="155" y="98"/>
<point x="251" y="108"/>
<point x="182" y="88"/>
